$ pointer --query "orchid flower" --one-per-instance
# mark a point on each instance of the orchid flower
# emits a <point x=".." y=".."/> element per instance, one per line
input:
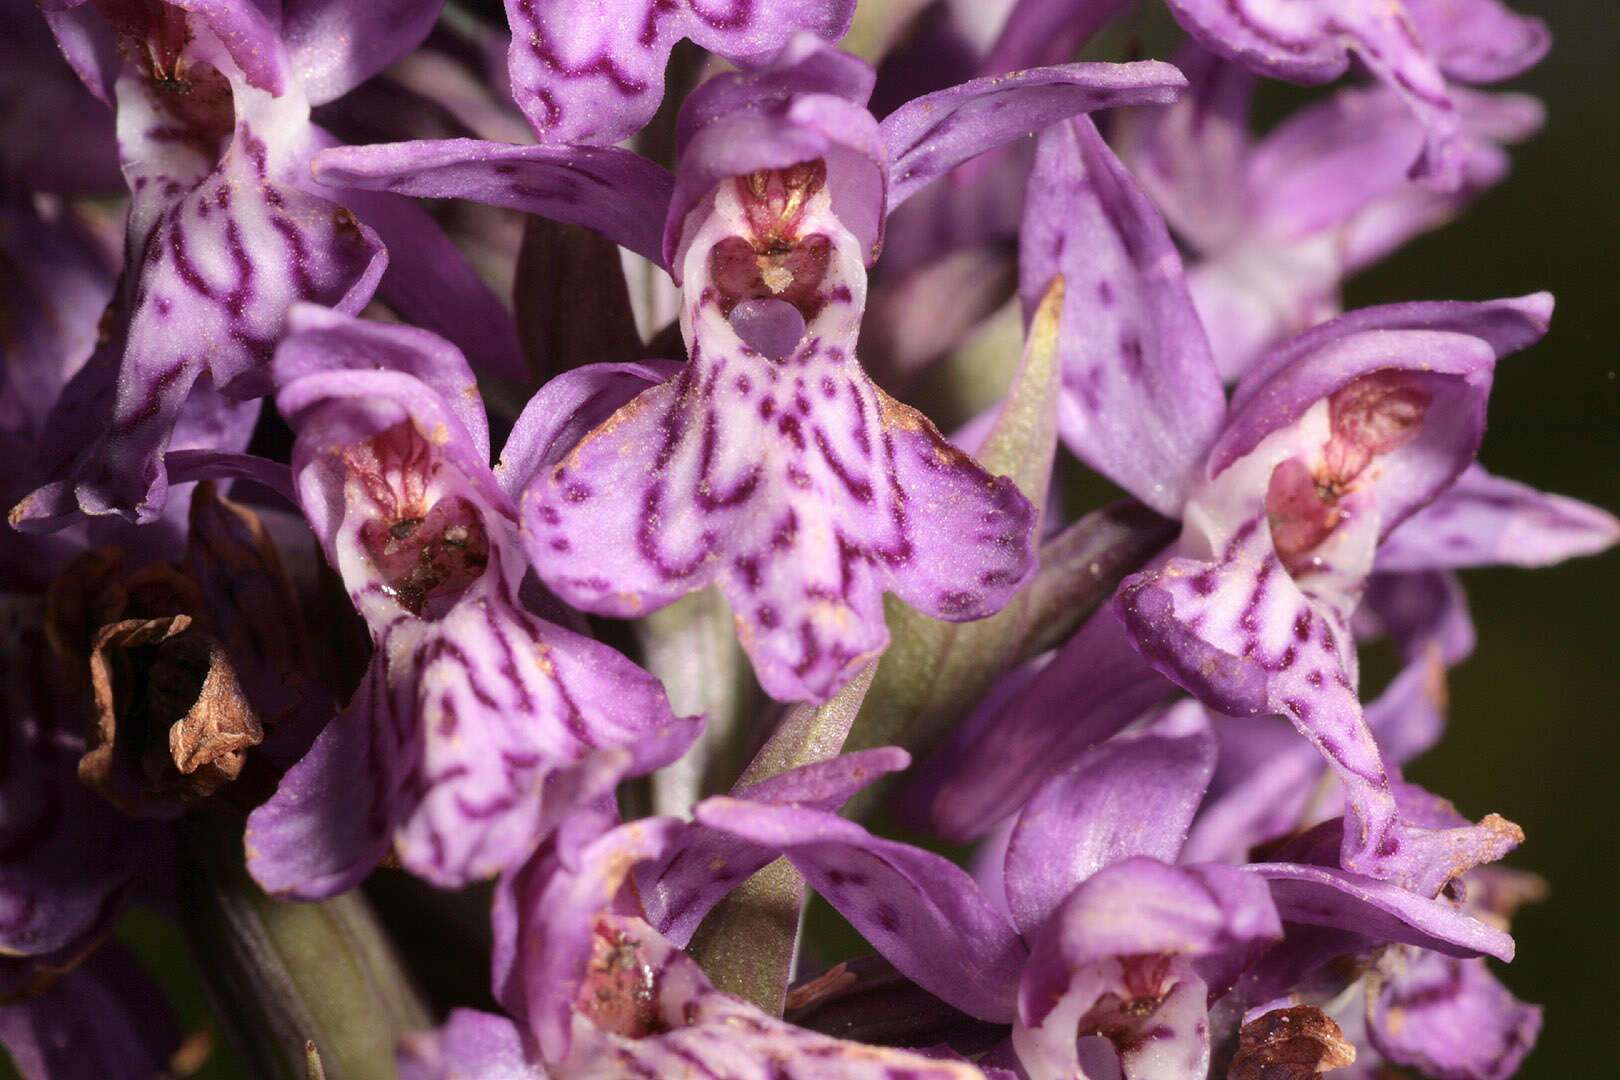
<point x="1280" y="222"/>
<point x="226" y="230"/>
<point x="1330" y="442"/>
<point x="478" y="723"/>
<point x="1098" y="929"/>
<point x="803" y="496"/>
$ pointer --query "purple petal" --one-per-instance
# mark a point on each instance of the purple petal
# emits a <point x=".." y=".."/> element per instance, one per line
<point x="567" y="408"/>
<point x="492" y="770"/>
<point x="805" y="65"/>
<point x="590" y="73"/>
<point x="335" y="45"/>
<point x="1141" y="399"/>
<point x="105" y="1020"/>
<point x="1190" y="155"/>
<point x="931" y="135"/>
<point x="617" y="193"/>
<point x="88" y="45"/>
<point x="1320" y="896"/>
<point x="1241" y="637"/>
<point x="188" y="466"/>
<point x="472" y="1045"/>
<point x="808" y="103"/>
<point x="901" y="899"/>
<point x="1131" y="796"/>
<point x="1310" y="43"/>
<point x="1506" y="326"/>
<point x="1451" y="1019"/>
<point x="682" y="1026"/>
<point x="332" y="817"/>
<point x="1143" y="907"/>
<point x="705" y="864"/>
<point x="1421" y="611"/>
<point x="1095" y="685"/>
<point x="1479" y="40"/>
<point x="320" y="341"/>
<point x="1485" y="520"/>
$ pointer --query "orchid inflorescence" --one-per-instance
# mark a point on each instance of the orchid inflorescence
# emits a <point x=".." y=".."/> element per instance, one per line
<point x="638" y="667"/>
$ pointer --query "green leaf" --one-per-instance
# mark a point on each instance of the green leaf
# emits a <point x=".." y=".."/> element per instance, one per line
<point x="934" y="672"/>
<point x="748" y="944"/>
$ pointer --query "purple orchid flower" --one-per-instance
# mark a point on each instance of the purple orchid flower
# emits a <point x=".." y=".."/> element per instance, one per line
<point x="1399" y="1000"/>
<point x="1097" y="929"/>
<point x="810" y="492"/>
<point x="226" y="230"/>
<point x="1279" y="223"/>
<point x="1411" y="46"/>
<point x="478" y="723"/>
<point x="1349" y="429"/>
<point x="596" y="989"/>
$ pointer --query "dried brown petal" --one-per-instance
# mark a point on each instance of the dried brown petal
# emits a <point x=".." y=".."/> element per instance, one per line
<point x="1290" y="1044"/>
<point x="172" y="725"/>
<point x="230" y="554"/>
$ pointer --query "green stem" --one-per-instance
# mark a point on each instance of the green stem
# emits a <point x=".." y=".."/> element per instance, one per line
<point x="293" y="984"/>
<point x="748" y="944"/>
